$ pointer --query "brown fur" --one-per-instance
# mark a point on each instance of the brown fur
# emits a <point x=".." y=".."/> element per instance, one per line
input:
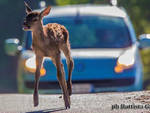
<point x="49" y="41"/>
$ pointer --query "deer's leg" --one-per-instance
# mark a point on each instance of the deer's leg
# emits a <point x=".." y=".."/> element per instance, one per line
<point x="66" y="50"/>
<point x="70" y="68"/>
<point x="62" y="81"/>
<point x="39" y="60"/>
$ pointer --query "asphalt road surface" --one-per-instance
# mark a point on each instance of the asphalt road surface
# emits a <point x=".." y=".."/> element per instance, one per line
<point x="133" y="102"/>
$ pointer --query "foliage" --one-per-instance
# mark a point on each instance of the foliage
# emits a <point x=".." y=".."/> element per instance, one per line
<point x="66" y="2"/>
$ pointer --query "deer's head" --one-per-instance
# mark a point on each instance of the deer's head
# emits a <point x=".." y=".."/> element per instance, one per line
<point x="34" y="18"/>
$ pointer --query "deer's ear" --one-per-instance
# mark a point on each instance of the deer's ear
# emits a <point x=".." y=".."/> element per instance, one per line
<point x="45" y="11"/>
<point x="28" y="9"/>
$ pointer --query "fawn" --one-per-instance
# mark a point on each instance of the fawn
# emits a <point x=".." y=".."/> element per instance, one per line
<point x="49" y="41"/>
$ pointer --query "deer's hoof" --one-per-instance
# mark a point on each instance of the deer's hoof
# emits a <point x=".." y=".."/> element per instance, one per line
<point x="36" y="101"/>
<point x="68" y="107"/>
<point x="67" y="103"/>
<point x="36" y="104"/>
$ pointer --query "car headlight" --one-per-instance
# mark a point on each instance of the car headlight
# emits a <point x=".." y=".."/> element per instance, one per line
<point x="30" y="65"/>
<point x="126" y="60"/>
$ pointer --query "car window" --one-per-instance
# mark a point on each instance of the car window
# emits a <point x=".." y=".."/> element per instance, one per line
<point x="94" y="31"/>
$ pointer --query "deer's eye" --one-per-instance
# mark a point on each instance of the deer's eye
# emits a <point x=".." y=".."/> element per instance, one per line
<point x="35" y="19"/>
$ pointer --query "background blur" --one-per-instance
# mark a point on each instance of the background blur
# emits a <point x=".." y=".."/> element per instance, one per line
<point x="11" y="18"/>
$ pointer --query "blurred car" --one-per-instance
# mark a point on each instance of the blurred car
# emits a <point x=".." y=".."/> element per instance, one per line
<point x="104" y="49"/>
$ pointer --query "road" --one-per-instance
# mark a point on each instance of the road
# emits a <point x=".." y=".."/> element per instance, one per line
<point x="81" y="103"/>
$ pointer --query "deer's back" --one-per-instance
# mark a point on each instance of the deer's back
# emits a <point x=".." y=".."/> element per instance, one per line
<point x="55" y="37"/>
<point x="56" y="32"/>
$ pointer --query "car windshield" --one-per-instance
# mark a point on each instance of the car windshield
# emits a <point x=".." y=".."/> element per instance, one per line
<point x="93" y="31"/>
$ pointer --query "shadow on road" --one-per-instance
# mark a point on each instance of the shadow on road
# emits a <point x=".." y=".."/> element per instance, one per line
<point x="48" y="110"/>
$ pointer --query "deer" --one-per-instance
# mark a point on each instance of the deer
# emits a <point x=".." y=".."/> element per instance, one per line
<point x="49" y="41"/>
